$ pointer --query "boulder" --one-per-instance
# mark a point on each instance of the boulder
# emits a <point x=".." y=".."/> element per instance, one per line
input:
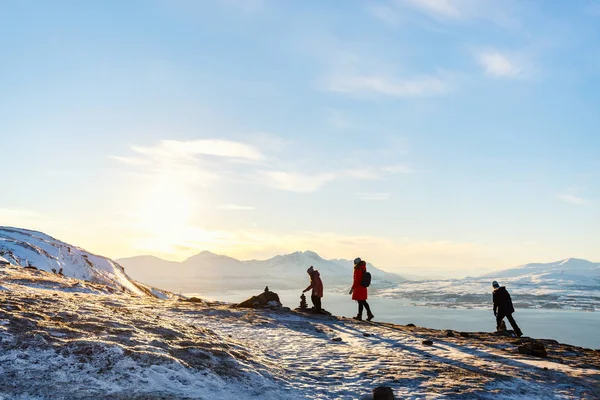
<point x="383" y="393"/>
<point x="533" y="348"/>
<point x="411" y="325"/>
<point x="266" y="299"/>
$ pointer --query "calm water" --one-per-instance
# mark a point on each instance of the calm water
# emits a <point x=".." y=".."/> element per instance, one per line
<point x="579" y="328"/>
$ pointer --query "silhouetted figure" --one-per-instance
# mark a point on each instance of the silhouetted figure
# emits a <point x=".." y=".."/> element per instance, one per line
<point x="503" y="307"/>
<point x="358" y="291"/>
<point x="60" y="272"/>
<point x="317" y="288"/>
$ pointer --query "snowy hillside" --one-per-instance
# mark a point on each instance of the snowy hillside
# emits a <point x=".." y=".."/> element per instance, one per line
<point x="209" y="272"/>
<point x="72" y="340"/>
<point x="28" y="248"/>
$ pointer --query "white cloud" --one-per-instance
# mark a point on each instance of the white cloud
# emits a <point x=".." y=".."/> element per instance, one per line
<point x="374" y="196"/>
<point x="444" y="8"/>
<point x="386" y="85"/>
<point x="295" y="181"/>
<point x="211" y="147"/>
<point x="497" y="64"/>
<point x="570" y="198"/>
<point x="398" y="169"/>
<point x="235" y="207"/>
<point x="365" y="173"/>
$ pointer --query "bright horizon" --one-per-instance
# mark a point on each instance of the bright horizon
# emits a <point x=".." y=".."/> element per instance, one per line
<point x="455" y="136"/>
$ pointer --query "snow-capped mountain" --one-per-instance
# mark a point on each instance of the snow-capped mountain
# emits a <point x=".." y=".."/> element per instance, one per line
<point x="208" y="272"/>
<point x="568" y="271"/>
<point x="28" y="248"/>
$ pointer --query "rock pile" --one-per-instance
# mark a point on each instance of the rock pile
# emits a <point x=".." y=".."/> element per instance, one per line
<point x="266" y="299"/>
<point x="532" y="347"/>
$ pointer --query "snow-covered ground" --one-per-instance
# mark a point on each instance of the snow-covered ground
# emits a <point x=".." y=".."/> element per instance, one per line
<point x="61" y="338"/>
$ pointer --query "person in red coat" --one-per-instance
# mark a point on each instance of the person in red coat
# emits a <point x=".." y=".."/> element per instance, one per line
<point x="317" y="288"/>
<point x="358" y="291"/>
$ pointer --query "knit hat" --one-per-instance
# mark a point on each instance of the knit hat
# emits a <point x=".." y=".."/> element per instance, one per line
<point x="310" y="270"/>
<point x="495" y="285"/>
<point x="357" y="260"/>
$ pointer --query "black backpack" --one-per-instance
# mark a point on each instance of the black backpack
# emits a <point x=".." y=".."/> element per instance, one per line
<point x="366" y="279"/>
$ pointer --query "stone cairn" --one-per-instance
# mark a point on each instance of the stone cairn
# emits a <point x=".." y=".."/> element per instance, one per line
<point x="303" y="304"/>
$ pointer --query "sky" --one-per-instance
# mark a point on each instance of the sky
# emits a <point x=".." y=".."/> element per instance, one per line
<point x="429" y="136"/>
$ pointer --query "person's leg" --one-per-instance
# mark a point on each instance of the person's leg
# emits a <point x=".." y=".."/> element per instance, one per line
<point x="369" y="313"/>
<point x="513" y="323"/>
<point x="360" y="308"/>
<point x="317" y="303"/>
<point x="314" y="300"/>
<point x="499" y="318"/>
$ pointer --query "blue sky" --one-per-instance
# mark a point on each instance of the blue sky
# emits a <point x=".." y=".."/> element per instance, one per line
<point x="438" y="135"/>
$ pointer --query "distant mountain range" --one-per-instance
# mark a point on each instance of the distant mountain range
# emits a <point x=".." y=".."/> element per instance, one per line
<point x="207" y="271"/>
<point x="571" y="271"/>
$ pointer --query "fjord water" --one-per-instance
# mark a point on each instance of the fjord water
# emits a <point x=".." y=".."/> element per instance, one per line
<point x="579" y="328"/>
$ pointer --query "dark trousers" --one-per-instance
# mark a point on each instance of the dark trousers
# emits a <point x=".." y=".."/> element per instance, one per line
<point x="510" y="318"/>
<point x="316" y="300"/>
<point x="361" y="304"/>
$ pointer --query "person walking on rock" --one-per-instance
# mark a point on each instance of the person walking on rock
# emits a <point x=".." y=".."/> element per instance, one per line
<point x="358" y="291"/>
<point x="317" y="288"/>
<point x="503" y="307"/>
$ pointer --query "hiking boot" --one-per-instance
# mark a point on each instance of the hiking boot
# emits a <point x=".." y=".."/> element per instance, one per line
<point x="370" y="317"/>
<point x="519" y="333"/>
<point x="358" y="318"/>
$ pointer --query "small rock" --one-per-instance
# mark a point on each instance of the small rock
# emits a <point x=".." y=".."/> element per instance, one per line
<point x="383" y="393"/>
<point x="449" y="334"/>
<point x="464" y="334"/>
<point x="367" y="334"/>
<point x="427" y="342"/>
<point x="336" y="339"/>
<point x="412" y="325"/>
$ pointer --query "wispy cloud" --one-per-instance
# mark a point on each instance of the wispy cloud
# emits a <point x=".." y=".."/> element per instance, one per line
<point x="211" y="147"/>
<point x="497" y="64"/>
<point x="398" y="169"/>
<point x="374" y="196"/>
<point x="387" y="85"/>
<point x="295" y="181"/>
<point x="443" y="8"/>
<point x="235" y="207"/>
<point x="572" y="199"/>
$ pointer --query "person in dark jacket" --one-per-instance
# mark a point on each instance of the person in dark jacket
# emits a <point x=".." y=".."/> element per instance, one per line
<point x="503" y="307"/>
<point x="358" y="291"/>
<point x="317" y="288"/>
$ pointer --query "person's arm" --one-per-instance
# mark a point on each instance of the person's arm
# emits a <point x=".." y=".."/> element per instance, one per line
<point x="308" y="288"/>
<point x="495" y="305"/>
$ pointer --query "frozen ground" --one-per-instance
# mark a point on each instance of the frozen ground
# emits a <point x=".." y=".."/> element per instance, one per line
<point x="61" y="338"/>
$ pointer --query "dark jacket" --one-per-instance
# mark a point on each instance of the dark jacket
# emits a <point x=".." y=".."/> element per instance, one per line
<point x="502" y="301"/>
<point x="315" y="284"/>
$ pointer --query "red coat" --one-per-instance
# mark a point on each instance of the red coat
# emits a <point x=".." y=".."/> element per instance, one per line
<point x="360" y="292"/>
